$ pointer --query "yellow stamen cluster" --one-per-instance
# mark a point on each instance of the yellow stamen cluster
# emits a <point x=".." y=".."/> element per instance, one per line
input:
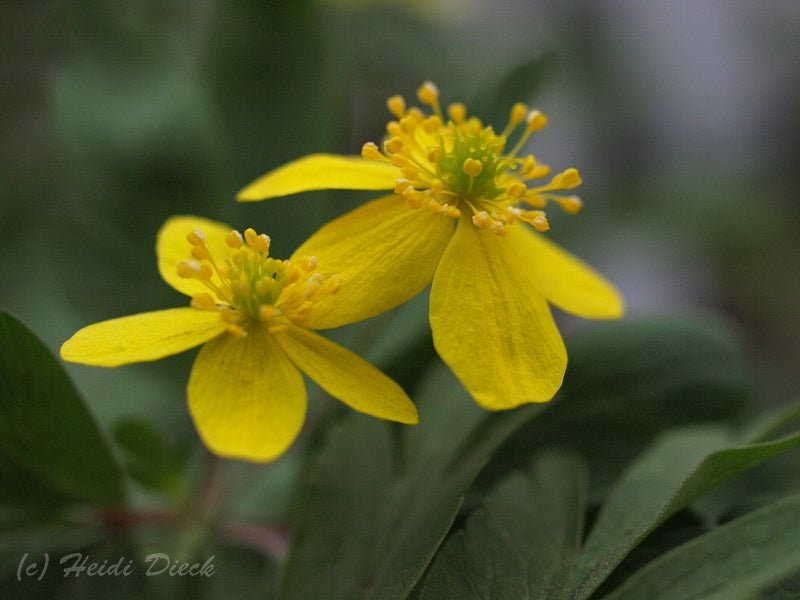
<point x="248" y="286"/>
<point x="460" y="164"/>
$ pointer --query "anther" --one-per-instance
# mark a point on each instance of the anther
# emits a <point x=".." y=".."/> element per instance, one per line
<point x="188" y="269"/>
<point x="203" y="302"/>
<point x="457" y="112"/>
<point x="538" y="219"/>
<point x="568" y="179"/>
<point x="393" y="145"/>
<point x="518" y="113"/>
<point x="428" y="93"/>
<point x="401" y="185"/>
<point x="399" y="160"/>
<point x="200" y="252"/>
<point x="408" y="124"/>
<point x="414" y="198"/>
<point x="370" y="152"/>
<point x="432" y="124"/>
<point x="571" y="204"/>
<point x="410" y="172"/>
<point x="234" y="239"/>
<point x="196" y="238"/>
<point x="393" y="128"/>
<point x="397" y="106"/>
<point x="516" y="190"/>
<point x="536" y="121"/>
<point x="309" y="263"/>
<point x="433" y="154"/>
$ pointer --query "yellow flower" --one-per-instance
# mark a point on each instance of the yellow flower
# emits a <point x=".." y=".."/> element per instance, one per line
<point x="464" y="216"/>
<point x="251" y="312"/>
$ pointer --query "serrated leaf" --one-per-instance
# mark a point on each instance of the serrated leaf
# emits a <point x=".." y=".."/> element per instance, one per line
<point x="382" y="497"/>
<point x="45" y="429"/>
<point x="732" y="562"/>
<point x="513" y="546"/>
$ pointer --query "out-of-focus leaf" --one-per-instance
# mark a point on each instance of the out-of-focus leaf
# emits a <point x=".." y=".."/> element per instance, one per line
<point x="628" y="381"/>
<point x="760" y="486"/>
<point x="529" y="527"/>
<point x="45" y="429"/>
<point x="148" y="458"/>
<point x="679" y="467"/>
<point x="516" y="85"/>
<point x="734" y="561"/>
<point x="382" y="497"/>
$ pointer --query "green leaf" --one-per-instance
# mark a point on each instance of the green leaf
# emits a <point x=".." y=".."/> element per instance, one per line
<point x="628" y="381"/>
<point x="512" y="547"/>
<point x="382" y="497"/>
<point x="518" y="84"/>
<point x="148" y="459"/>
<point x="679" y="467"/>
<point x="733" y="561"/>
<point x="45" y="429"/>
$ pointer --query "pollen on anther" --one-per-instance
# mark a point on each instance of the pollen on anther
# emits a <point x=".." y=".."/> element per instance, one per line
<point x="393" y="145"/>
<point x="457" y="112"/>
<point x="396" y="105"/>
<point x="234" y="239"/>
<point x="536" y="120"/>
<point x="196" y="238"/>
<point x="203" y="302"/>
<point x="370" y="152"/>
<point x="571" y="204"/>
<point x="428" y="93"/>
<point x="518" y="113"/>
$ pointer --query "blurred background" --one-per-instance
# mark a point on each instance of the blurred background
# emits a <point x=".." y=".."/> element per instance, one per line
<point x="683" y="118"/>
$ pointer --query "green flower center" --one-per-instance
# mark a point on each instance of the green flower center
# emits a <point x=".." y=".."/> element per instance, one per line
<point x="247" y="285"/>
<point x="462" y="165"/>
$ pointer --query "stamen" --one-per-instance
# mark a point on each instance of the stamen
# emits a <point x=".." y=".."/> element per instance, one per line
<point x="461" y="163"/>
<point x="570" y="204"/>
<point x="203" y="301"/>
<point x="196" y="238"/>
<point x="370" y="152"/>
<point x="518" y="112"/>
<point x="234" y="239"/>
<point x="536" y="121"/>
<point x="567" y="180"/>
<point x="397" y="106"/>
<point x="393" y="145"/>
<point x="428" y="94"/>
<point x="457" y="112"/>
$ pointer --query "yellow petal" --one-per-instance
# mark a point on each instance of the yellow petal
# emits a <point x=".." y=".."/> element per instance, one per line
<point x="142" y="337"/>
<point x="563" y="279"/>
<point x="491" y="325"/>
<point x="347" y="377"/>
<point x="385" y="254"/>
<point x="247" y="399"/>
<point x="322" y="172"/>
<point x="172" y="247"/>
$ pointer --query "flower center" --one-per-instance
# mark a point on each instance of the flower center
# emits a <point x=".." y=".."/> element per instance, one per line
<point x="461" y="164"/>
<point x="248" y="286"/>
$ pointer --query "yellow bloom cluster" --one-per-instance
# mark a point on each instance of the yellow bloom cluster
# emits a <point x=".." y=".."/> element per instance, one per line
<point x="246" y="393"/>
<point x="473" y="231"/>
<point x="461" y="214"/>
